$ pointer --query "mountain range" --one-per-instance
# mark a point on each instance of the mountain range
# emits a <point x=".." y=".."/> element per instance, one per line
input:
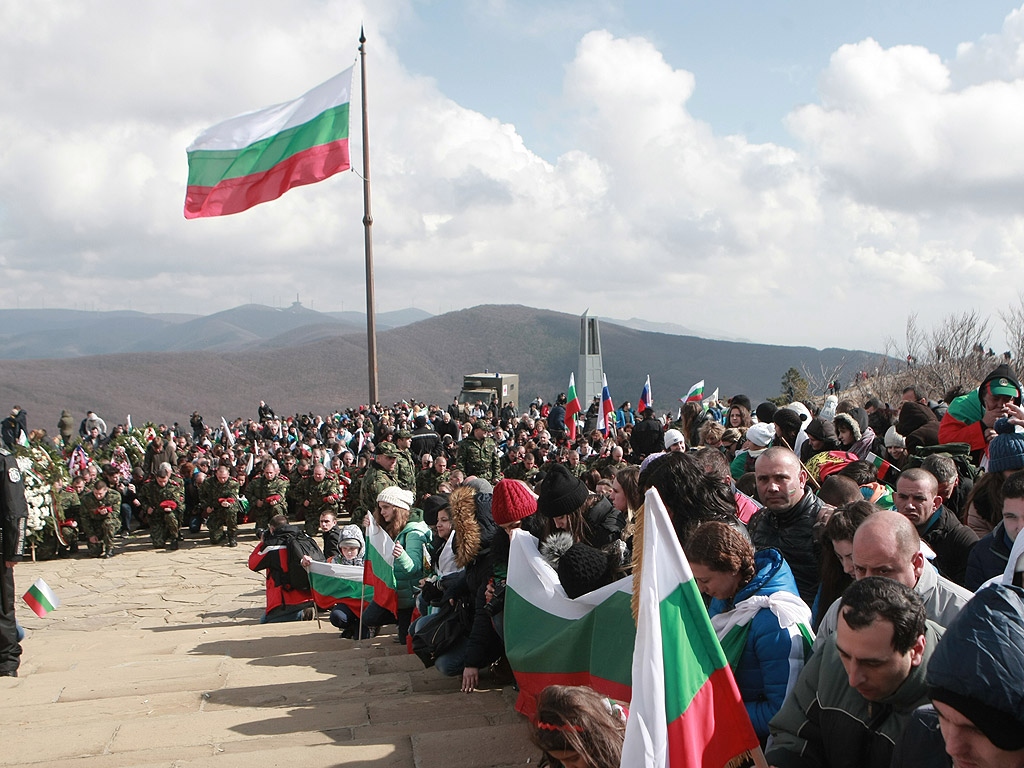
<point x="299" y="360"/>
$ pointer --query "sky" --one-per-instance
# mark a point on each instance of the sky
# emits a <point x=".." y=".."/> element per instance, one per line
<point x="785" y="172"/>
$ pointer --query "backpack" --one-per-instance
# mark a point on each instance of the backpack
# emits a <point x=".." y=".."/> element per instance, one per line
<point x="438" y="632"/>
<point x="297" y="544"/>
<point x="960" y="453"/>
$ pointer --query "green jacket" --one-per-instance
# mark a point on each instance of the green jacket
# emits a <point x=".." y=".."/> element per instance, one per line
<point x="427" y="482"/>
<point x="374" y="481"/>
<point x="260" y="489"/>
<point x="95" y="511"/>
<point x="412" y="564"/>
<point x="152" y="494"/>
<point x="321" y="496"/>
<point x="211" y="492"/>
<point x="405" y="471"/>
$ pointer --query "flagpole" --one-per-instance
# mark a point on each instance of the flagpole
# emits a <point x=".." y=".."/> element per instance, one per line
<point x="371" y="318"/>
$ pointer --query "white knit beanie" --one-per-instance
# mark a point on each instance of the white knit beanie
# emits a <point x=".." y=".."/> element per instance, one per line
<point x="397" y="497"/>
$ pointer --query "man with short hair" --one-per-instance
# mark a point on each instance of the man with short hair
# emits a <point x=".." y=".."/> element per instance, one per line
<point x="380" y="474"/>
<point x="319" y="493"/>
<point x="429" y="479"/>
<point x="284" y="602"/>
<point x="990" y="554"/>
<point x="786" y="522"/>
<point x="405" y="468"/>
<point x="267" y="494"/>
<point x="219" y="500"/>
<point x="858" y="691"/>
<point x="887" y="544"/>
<point x="917" y="498"/>
<point x="954" y="493"/>
<point x="100" y="514"/>
<point x="976" y="719"/>
<point x="478" y="455"/>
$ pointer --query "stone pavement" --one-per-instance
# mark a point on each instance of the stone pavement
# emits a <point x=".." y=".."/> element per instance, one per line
<point x="158" y="659"/>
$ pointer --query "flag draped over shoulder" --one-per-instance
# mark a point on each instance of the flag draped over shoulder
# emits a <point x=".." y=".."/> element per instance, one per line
<point x="572" y="407"/>
<point x="552" y="640"/>
<point x="257" y="157"/>
<point x="379" y="567"/>
<point x="333" y="583"/>
<point x="686" y="710"/>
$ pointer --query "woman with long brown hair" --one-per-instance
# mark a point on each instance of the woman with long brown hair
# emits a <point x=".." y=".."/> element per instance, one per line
<point x="576" y="727"/>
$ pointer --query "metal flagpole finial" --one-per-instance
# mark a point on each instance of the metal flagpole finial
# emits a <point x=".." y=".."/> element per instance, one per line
<point x="362" y="35"/>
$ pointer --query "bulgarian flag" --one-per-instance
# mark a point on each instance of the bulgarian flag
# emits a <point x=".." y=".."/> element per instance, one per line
<point x="552" y="640"/>
<point x="884" y="471"/>
<point x="258" y="156"/>
<point x="645" y="397"/>
<point x="379" y="567"/>
<point x="572" y="407"/>
<point x="40" y="598"/>
<point x="696" y="393"/>
<point x="686" y="710"/>
<point x="606" y="423"/>
<point x="334" y="583"/>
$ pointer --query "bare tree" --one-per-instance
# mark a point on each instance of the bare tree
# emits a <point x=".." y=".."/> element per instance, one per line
<point x="819" y="381"/>
<point x="1013" y="320"/>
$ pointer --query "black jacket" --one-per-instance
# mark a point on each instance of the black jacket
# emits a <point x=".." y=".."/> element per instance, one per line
<point x="648" y="437"/>
<point x="13" y="510"/>
<point x="952" y="542"/>
<point x="987" y="559"/>
<point x="792" y="533"/>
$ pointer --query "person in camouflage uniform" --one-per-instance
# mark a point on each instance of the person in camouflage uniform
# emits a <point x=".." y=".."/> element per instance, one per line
<point x="405" y="467"/>
<point x="219" y="500"/>
<point x="576" y="467"/>
<point x="100" y="509"/>
<point x="267" y="494"/>
<point x="610" y="464"/>
<point x="163" y="498"/>
<point x="478" y="455"/>
<point x="295" y="480"/>
<point x="380" y="474"/>
<point x="428" y="480"/>
<point x="319" y="493"/>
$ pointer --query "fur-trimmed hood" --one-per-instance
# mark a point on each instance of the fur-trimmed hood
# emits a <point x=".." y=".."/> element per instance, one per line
<point x="473" y="526"/>
<point x="849" y="422"/>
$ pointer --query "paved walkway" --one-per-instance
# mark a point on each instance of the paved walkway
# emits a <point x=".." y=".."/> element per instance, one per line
<point x="158" y="659"/>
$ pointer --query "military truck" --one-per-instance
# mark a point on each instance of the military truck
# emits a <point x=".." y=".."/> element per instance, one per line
<point x="488" y="387"/>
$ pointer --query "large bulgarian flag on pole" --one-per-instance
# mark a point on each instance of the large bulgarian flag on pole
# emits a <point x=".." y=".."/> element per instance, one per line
<point x="553" y="640"/>
<point x="686" y="711"/>
<point x="334" y="583"/>
<point x="572" y="407"/>
<point x="379" y="567"/>
<point x="258" y="156"/>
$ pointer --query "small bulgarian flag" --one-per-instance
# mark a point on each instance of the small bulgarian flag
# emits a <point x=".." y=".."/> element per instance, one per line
<point x="686" y="711"/>
<point x="258" y="156"/>
<point x="40" y="598"/>
<point x="553" y="640"/>
<point x="334" y="583"/>
<point x="572" y="407"/>
<point x="696" y="393"/>
<point x="379" y="567"/>
<point x="884" y="471"/>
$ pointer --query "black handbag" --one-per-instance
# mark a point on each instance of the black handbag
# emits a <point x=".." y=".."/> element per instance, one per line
<point x="438" y="632"/>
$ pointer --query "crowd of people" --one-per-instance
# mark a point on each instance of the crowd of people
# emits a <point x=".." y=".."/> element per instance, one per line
<point x="865" y="548"/>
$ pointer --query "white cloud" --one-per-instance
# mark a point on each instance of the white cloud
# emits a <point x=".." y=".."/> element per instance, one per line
<point x="902" y="197"/>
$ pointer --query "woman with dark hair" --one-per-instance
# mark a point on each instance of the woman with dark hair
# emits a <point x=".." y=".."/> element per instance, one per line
<point x="738" y="417"/>
<point x="837" y="539"/>
<point x="576" y="727"/>
<point x="693" y="416"/>
<point x="567" y="504"/>
<point x="690" y="495"/>
<point x="757" y="613"/>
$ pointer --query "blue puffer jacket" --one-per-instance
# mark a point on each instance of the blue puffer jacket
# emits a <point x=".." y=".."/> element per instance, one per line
<point x="773" y="656"/>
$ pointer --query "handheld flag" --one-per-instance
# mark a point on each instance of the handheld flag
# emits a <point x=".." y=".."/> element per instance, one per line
<point x="884" y="471"/>
<point x="572" y="407"/>
<point x="379" y="567"/>
<point x="686" y="711"/>
<point x="552" y="640"/>
<point x="645" y="397"/>
<point x="257" y="157"/>
<point x="230" y="438"/>
<point x="606" y="423"/>
<point x="40" y="598"/>
<point x="696" y="393"/>
<point x="334" y="583"/>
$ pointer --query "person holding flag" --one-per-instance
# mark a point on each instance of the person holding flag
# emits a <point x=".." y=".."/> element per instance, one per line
<point x="394" y="573"/>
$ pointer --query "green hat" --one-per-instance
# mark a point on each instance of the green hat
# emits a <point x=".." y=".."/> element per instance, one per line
<point x="403" y="434"/>
<point x="387" y="449"/>
<point x="1003" y="386"/>
<point x="482" y="424"/>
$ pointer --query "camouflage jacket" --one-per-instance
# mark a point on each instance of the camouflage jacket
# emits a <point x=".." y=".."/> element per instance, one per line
<point x="479" y="458"/>
<point x="323" y="495"/>
<point x="374" y="481"/>
<point x="427" y="482"/>
<point x="152" y="495"/>
<point x="405" y="471"/>
<point x="261" y="489"/>
<point x="94" y="509"/>
<point x="211" y="492"/>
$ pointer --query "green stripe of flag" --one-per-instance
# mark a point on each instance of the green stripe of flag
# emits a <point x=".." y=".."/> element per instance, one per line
<point x="688" y="662"/>
<point x="207" y="168"/>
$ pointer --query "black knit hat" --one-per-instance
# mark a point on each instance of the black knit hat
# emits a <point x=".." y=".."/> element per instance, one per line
<point x="821" y="429"/>
<point x="788" y="419"/>
<point x="740" y="400"/>
<point x="432" y="505"/>
<point x="560" y="492"/>
<point x="583" y="569"/>
<point x="766" y="412"/>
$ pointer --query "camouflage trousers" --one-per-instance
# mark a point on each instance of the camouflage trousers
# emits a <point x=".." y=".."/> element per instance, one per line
<point x="104" y="528"/>
<point x="261" y="514"/>
<point x="163" y="526"/>
<point x="220" y="519"/>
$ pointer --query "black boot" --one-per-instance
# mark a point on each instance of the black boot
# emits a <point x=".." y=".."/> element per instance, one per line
<point x="232" y="541"/>
<point x="172" y="545"/>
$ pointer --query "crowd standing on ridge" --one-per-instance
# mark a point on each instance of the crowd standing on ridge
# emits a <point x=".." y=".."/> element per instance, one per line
<point x="869" y="549"/>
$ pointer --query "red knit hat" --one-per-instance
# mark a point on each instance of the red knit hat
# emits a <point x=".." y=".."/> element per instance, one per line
<point x="512" y="500"/>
